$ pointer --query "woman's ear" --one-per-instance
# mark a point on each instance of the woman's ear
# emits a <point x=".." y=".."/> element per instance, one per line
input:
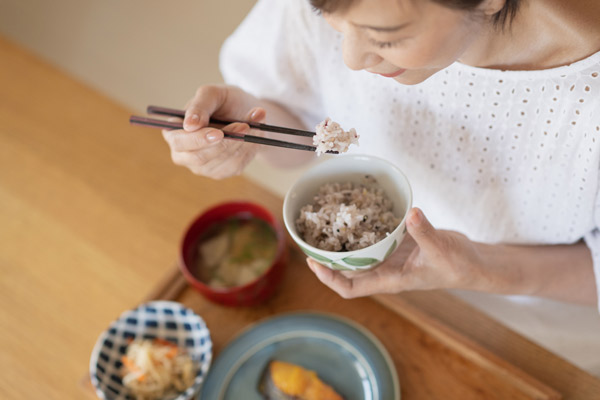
<point x="491" y="7"/>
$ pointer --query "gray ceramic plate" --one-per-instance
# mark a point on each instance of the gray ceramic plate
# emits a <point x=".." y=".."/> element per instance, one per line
<point x="344" y="354"/>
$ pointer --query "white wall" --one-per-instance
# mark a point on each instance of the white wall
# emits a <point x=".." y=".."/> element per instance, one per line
<point x="137" y="52"/>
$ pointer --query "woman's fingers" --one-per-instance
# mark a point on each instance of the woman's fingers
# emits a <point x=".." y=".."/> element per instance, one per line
<point x="354" y="284"/>
<point x="203" y="148"/>
<point x="237" y="127"/>
<point x="206" y="101"/>
<point x="180" y="140"/>
<point x="421" y="230"/>
<point x="219" y="160"/>
<point x="256" y="114"/>
<point x="430" y="259"/>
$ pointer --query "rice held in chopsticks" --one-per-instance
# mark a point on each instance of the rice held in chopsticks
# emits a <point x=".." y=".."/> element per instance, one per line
<point x="331" y="137"/>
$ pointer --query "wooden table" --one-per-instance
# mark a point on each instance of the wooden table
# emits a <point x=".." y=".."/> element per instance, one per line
<point x="91" y="214"/>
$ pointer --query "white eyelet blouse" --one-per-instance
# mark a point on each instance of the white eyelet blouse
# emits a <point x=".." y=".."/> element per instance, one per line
<point x="501" y="156"/>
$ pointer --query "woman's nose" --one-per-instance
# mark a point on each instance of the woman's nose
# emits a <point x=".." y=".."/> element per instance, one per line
<point x="356" y="54"/>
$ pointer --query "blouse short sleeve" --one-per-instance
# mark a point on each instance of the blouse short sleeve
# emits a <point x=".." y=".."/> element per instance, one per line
<point x="592" y="239"/>
<point x="270" y="55"/>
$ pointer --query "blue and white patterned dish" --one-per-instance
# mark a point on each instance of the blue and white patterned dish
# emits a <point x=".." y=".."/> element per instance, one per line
<point x="157" y="319"/>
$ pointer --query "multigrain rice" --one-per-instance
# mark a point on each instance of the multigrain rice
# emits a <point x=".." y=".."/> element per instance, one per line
<point x="347" y="216"/>
<point x="331" y="137"/>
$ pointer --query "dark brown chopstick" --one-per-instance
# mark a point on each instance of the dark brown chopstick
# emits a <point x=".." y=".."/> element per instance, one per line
<point x="171" y="112"/>
<point x="158" y="123"/>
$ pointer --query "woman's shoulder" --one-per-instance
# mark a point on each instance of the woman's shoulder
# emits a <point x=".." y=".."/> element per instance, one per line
<point x="544" y="35"/>
<point x="577" y="28"/>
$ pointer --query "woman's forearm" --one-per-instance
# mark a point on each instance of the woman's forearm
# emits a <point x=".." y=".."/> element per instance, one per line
<point x="560" y="272"/>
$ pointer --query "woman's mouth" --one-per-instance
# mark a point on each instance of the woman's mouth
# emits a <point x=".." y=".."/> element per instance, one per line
<point x="393" y="74"/>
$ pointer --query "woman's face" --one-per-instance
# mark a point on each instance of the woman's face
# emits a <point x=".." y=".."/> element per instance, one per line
<point x="405" y="40"/>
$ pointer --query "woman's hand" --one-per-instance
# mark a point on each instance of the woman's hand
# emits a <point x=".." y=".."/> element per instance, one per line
<point x="438" y="259"/>
<point x="201" y="148"/>
<point x="427" y="259"/>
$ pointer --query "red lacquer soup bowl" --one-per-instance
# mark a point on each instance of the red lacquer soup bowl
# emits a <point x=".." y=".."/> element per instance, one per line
<point x="234" y="253"/>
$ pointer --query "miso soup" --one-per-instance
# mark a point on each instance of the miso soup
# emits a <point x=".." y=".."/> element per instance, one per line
<point x="235" y="252"/>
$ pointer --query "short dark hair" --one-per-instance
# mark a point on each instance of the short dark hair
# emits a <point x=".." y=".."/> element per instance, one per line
<point x="500" y="19"/>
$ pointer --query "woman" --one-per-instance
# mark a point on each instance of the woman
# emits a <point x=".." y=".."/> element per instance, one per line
<point x="491" y="108"/>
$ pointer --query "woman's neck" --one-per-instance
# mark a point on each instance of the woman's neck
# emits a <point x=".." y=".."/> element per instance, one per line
<point x="544" y="34"/>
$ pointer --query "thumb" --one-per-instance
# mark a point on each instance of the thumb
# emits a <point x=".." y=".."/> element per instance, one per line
<point x="421" y="230"/>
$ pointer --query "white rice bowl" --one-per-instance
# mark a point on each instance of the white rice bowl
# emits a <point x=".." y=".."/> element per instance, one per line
<point x="382" y="194"/>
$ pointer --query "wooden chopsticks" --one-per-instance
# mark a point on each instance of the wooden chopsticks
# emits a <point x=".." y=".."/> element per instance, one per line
<point x="159" y="123"/>
<point x="171" y="112"/>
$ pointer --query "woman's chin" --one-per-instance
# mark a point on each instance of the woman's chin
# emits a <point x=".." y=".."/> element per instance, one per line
<point x="414" y="77"/>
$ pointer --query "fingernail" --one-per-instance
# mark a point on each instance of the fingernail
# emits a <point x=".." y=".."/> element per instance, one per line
<point x="192" y="121"/>
<point x="416" y="218"/>
<point x="254" y="113"/>
<point x="212" y="136"/>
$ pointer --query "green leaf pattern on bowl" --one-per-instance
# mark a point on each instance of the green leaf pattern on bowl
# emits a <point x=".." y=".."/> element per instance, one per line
<point x="352" y="261"/>
<point x="359" y="261"/>
<point x="339" y="267"/>
<point x="390" y="250"/>
<point x="316" y="256"/>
